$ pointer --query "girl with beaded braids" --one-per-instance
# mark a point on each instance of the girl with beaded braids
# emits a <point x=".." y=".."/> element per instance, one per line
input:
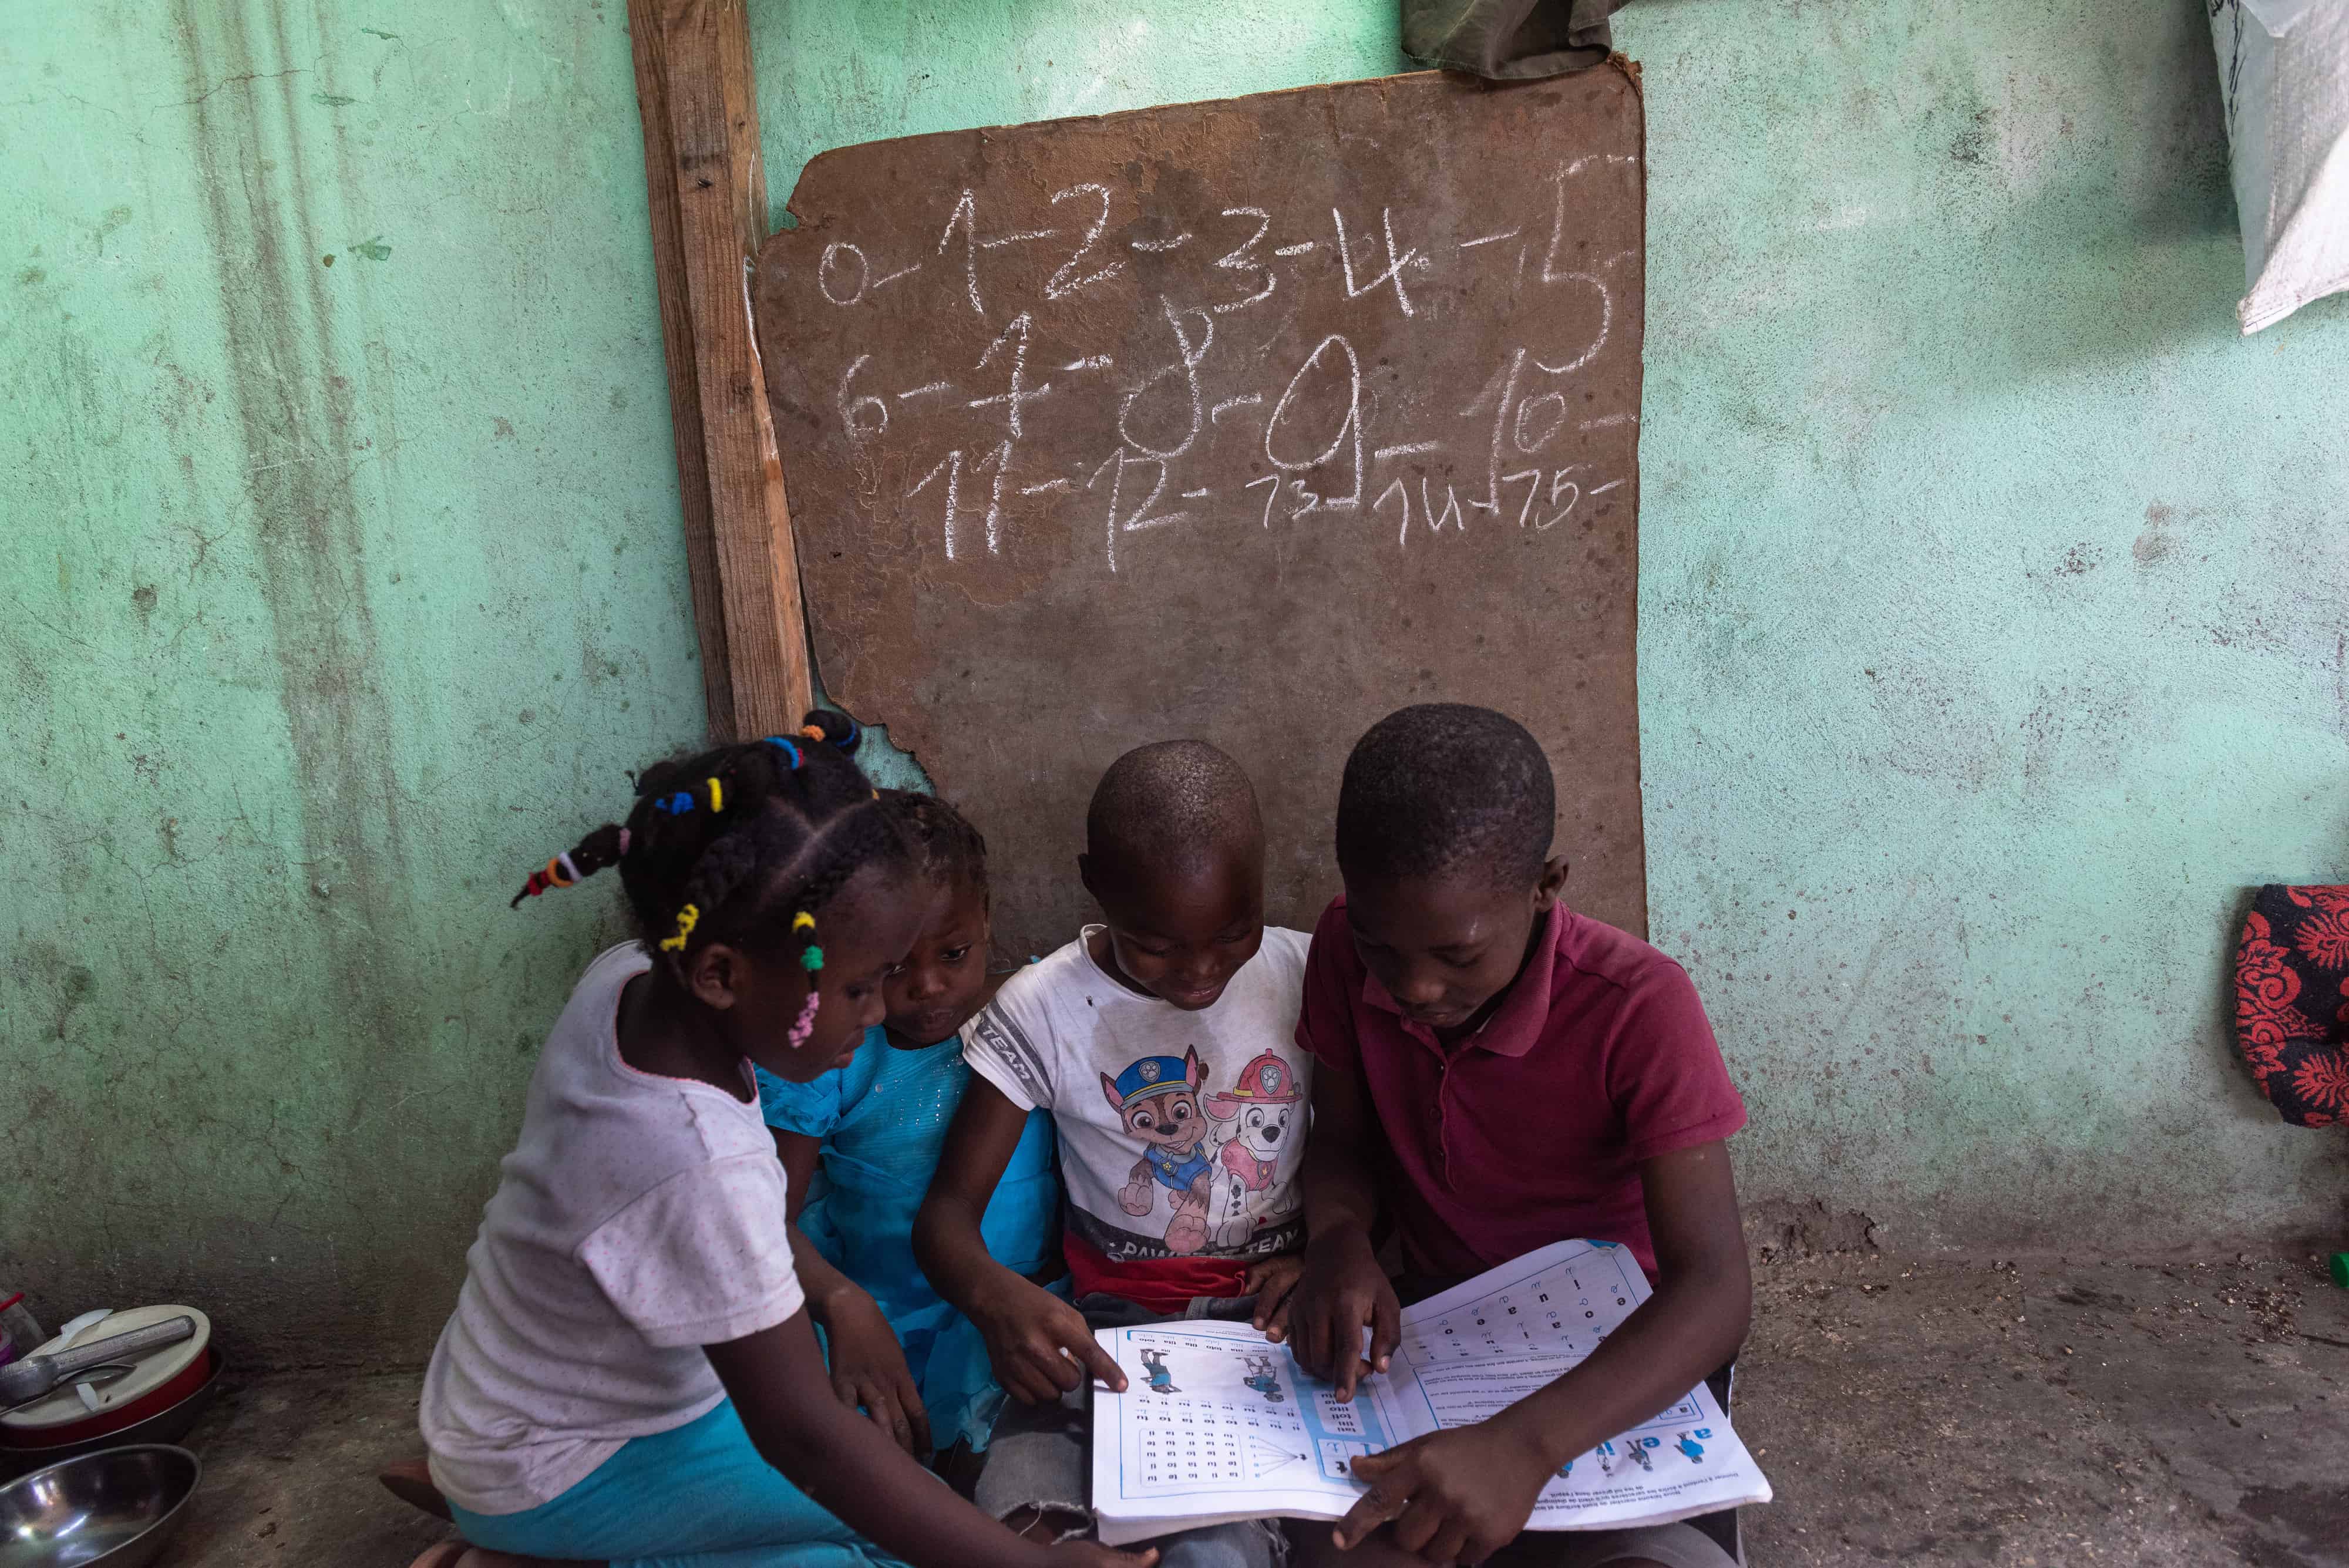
<point x="630" y="1374"/>
<point x="914" y="1363"/>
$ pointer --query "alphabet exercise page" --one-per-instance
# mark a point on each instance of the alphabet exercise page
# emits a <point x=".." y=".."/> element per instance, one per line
<point x="1216" y="1423"/>
<point x="1482" y="1346"/>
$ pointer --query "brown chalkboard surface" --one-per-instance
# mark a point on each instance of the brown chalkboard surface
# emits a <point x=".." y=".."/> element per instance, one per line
<point x="1250" y="420"/>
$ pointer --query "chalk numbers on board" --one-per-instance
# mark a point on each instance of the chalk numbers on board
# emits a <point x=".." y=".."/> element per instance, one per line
<point x="1512" y="450"/>
<point x="1241" y="259"/>
<point x="1071" y="278"/>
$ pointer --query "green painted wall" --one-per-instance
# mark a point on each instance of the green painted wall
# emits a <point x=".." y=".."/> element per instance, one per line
<point x="1992" y="590"/>
<point x="334" y="597"/>
<point x="1993" y="602"/>
<point x="1992" y="594"/>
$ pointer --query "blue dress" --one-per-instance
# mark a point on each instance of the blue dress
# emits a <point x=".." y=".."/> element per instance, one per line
<point x="883" y="1119"/>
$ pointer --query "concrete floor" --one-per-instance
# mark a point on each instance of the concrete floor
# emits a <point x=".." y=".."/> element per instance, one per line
<point x="2036" y="1413"/>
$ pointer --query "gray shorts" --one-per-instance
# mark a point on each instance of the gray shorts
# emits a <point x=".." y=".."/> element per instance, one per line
<point x="1039" y="1457"/>
<point x="1674" y="1545"/>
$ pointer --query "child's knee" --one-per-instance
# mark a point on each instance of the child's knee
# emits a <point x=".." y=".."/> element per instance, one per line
<point x="1034" y="1477"/>
<point x="1048" y="1525"/>
<point x="1242" y="1544"/>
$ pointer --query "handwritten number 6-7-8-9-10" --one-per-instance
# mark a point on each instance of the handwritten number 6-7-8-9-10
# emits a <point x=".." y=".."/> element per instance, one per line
<point x="1314" y="437"/>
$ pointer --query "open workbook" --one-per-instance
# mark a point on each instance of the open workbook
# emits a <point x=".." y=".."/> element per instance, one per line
<point x="1217" y="1424"/>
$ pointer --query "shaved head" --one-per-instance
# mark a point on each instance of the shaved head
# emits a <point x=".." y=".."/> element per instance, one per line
<point x="1443" y="788"/>
<point x="1171" y="806"/>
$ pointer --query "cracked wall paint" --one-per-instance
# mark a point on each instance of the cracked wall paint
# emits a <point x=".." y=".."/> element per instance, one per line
<point x="337" y="597"/>
<point x="1990" y="601"/>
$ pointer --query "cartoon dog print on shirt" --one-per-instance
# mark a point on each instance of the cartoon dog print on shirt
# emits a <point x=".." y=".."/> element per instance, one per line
<point x="1261" y="1111"/>
<point x="1158" y="1099"/>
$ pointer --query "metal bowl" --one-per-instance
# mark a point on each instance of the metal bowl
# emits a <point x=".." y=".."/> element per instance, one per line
<point x="163" y="1427"/>
<point x="117" y="1508"/>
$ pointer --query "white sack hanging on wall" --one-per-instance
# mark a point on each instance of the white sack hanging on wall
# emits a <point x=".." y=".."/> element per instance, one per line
<point x="2284" y="69"/>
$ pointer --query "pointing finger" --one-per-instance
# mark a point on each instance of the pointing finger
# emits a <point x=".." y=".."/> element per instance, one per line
<point x="1348" y="1370"/>
<point x="1386" y="1330"/>
<point x="1100" y="1363"/>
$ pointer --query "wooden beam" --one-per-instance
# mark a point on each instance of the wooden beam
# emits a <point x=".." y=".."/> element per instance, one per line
<point x="684" y="388"/>
<point x="707" y="192"/>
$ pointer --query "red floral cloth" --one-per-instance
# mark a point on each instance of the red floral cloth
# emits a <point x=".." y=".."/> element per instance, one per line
<point x="2292" y="1001"/>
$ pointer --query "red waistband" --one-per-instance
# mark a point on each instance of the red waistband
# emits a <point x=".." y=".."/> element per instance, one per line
<point x="1161" y="1284"/>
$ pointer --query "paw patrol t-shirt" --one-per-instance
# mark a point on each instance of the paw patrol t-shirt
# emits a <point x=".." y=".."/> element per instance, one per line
<point x="1181" y="1133"/>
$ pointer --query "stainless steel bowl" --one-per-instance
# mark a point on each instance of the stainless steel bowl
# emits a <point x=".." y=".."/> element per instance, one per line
<point x="117" y="1507"/>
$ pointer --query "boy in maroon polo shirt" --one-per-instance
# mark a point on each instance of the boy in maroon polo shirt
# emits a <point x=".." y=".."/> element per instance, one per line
<point x="1496" y="1073"/>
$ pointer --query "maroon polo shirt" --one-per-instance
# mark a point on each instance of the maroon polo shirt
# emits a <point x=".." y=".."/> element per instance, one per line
<point x="1532" y="1129"/>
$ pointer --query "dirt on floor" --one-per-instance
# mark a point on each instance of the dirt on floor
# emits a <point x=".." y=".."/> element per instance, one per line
<point x="2027" y="1413"/>
<point x="2040" y="1412"/>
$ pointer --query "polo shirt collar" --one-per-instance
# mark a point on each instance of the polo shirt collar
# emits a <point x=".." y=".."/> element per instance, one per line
<point x="1517" y="1025"/>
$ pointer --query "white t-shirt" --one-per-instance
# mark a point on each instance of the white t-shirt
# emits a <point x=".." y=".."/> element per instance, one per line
<point x="1181" y="1133"/>
<point x="638" y="1219"/>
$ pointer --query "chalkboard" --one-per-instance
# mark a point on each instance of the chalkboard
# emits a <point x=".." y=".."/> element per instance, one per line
<point x="1251" y="420"/>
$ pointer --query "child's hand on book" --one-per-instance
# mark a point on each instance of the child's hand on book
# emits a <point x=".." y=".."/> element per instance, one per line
<point x="1456" y="1496"/>
<point x="1340" y="1290"/>
<point x="1040" y="1346"/>
<point x="1269" y="1281"/>
<point x="869" y="1372"/>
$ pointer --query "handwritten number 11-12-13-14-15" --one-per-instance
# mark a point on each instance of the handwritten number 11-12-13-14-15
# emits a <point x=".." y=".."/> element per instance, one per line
<point x="1318" y="439"/>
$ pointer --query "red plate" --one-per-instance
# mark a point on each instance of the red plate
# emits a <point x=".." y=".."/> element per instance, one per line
<point x="157" y="1381"/>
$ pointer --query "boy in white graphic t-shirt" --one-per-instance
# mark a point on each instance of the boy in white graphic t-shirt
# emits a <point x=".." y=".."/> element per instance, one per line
<point x="1162" y="1040"/>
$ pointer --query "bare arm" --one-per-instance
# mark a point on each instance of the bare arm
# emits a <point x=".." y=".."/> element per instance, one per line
<point x="1340" y="1195"/>
<point x="868" y="1366"/>
<point x="822" y="1283"/>
<point x="1038" y="1343"/>
<point x="776" y="1379"/>
<point x="1342" y="1289"/>
<point x="946" y="1239"/>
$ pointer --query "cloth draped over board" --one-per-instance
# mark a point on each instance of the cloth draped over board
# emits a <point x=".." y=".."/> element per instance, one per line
<point x="1508" y="40"/>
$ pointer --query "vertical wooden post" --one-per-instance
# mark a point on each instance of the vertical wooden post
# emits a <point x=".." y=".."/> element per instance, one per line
<point x="707" y="192"/>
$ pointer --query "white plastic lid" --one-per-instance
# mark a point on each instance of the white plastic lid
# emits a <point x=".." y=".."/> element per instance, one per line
<point x="146" y="1374"/>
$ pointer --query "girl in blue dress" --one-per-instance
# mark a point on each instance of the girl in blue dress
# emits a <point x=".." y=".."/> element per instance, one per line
<point x="912" y="1363"/>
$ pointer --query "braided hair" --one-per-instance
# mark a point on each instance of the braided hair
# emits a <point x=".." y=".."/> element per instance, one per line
<point x="950" y="850"/>
<point x="721" y="845"/>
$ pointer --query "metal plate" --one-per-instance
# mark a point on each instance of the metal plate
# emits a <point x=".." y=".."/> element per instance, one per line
<point x="1251" y="420"/>
<point x="117" y="1508"/>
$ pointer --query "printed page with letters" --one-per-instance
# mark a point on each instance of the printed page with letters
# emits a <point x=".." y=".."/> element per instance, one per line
<point x="1219" y="1424"/>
